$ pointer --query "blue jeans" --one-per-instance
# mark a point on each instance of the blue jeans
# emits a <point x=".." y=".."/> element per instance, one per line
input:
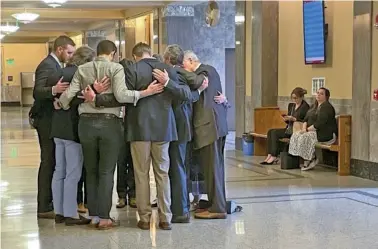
<point x="69" y="164"/>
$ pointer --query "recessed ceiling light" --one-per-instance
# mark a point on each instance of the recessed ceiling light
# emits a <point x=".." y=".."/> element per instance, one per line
<point x="54" y="3"/>
<point x="25" y="17"/>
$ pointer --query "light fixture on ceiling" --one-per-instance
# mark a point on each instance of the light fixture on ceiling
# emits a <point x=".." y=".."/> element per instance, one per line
<point x="25" y="17"/>
<point x="54" y="3"/>
<point x="8" y="28"/>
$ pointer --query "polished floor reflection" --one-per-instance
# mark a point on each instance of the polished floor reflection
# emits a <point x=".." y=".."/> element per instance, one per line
<point x="282" y="209"/>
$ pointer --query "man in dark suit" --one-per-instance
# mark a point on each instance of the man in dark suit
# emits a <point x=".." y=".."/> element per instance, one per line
<point x="174" y="56"/>
<point x="42" y="112"/>
<point x="210" y="130"/>
<point x="151" y="127"/>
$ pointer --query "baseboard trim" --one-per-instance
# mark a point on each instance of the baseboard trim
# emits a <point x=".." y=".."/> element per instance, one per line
<point x="238" y="143"/>
<point x="11" y="104"/>
<point x="364" y="169"/>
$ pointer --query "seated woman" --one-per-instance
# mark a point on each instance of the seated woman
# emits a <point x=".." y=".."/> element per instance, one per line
<point x="296" y="112"/>
<point x="320" y="126"/>
<point x="68" y="151"/>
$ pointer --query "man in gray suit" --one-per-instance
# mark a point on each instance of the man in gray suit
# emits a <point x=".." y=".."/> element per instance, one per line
<point x="174" y="56"/>
<point x="151" y="127"/>
<point x="210" y="130"/>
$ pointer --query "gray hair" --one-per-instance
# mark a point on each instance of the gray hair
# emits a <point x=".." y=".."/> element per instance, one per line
<point x="83" y="55"/>
<point x="189" y="54"/>
<point x="158" y="57"/>
<point x="175" y="54"/>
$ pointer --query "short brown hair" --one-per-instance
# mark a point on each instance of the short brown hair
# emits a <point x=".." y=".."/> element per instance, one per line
<point x="63" y="41"/>
<point x="141" y="48"/>
<point x="106" y="47"/>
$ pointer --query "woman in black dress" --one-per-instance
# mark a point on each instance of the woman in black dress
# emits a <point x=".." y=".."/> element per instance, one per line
<point x="296" y="112"/>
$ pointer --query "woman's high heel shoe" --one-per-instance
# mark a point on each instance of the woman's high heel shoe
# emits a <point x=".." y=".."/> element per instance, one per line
<point x="275" y="161"/>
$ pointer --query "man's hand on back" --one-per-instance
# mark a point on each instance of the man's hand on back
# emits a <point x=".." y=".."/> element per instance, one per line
<point x="160" y="76"/>
<point x="152" y="89"/>
<point x="204" y="85"/>
<point x="88" y="94"/>
<point x="101" y="86"/>
<point x="60" y="87"/>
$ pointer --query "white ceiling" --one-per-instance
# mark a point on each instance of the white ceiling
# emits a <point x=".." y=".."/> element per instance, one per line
<point x="88" y="4"/>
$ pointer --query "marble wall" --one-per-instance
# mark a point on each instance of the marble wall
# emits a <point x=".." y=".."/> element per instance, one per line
<point x="185" y="25"/>
<point x="93" y="37"/>
<point x="364" y="161"/>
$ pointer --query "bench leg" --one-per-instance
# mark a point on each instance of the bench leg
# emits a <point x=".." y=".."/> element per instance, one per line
<point x="260" y="146"/>
<point x="343" y="160"/>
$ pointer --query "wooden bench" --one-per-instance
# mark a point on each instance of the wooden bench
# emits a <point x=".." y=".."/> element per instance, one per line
<point x="267" y="118"/>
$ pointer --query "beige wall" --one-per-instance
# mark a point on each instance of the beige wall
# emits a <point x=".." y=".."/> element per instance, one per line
<point x="78" y="39"/>
<point x="292" y="71"/>
<point x="140" y="29"/>
<point x="35" y="53"/>
<point x="374" y="78"/>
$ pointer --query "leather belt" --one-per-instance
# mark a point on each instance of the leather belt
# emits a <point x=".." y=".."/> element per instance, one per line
<point x="99" y="115"/>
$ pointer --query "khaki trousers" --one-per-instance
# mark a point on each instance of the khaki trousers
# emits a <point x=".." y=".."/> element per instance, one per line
<point x="143" y="153"/>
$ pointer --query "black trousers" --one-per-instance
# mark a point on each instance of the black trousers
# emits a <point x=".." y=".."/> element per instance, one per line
<point x="125" y="172"/>
<point x="101" y="137"/>
<point x="82" y="195"/>
<point x="211" y="159"/>
<point x="274" y="136"/>
<point x="177" y="175"/>
<point x="47" y="165"/>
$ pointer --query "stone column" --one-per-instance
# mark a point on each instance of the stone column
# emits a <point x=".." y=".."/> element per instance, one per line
<point x="155" y="31"/>
<point x="93" y="38"/>
<point x="258" y="40"/>
<point x="240" y="72"/>
<point x="129" y="37"/>
<point x="364" y="111"/>
<point x="177" y="24"/>
<point x="264" y="53"/>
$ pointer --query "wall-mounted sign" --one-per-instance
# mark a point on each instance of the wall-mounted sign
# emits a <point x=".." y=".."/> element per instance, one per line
<point x="10" y="61"/>
<point x="10" y="78"/>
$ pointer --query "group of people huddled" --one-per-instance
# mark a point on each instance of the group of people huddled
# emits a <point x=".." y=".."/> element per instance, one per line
<point x="306" y="126"/>
<point x="92" y="114"/>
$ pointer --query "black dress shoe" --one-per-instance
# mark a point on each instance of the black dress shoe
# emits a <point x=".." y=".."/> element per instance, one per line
<point x="263" y="163"/>
<point x="59" y="219"/>
<point x="47" y="215"/>
<point x="181" y="219"/>
<point x="73" y="221"/>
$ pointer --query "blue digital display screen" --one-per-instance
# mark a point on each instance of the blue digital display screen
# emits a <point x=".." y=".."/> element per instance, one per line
<point x="313" y="31"/>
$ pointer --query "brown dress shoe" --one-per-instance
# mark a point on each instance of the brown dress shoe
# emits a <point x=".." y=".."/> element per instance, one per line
<point x="209" y="215"/>
<point x="47" y="215"/>
<point x="165" y="225"/>
<point x="144" y="225"/>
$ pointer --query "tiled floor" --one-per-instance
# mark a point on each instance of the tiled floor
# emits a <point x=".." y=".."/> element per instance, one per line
<point x="282" y="209"/>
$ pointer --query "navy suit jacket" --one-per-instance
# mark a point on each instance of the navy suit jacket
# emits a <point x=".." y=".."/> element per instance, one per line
<point x="153" y="119"/>
<point x="42" y="92"/>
